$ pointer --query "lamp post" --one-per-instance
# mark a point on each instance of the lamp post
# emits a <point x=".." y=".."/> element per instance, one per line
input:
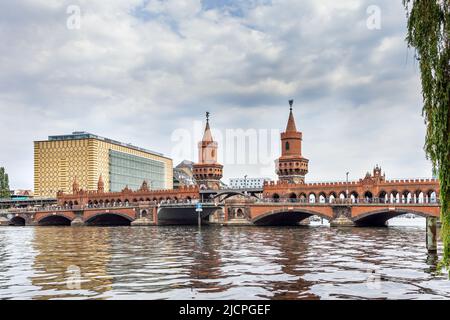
<point x="199" y="209"/>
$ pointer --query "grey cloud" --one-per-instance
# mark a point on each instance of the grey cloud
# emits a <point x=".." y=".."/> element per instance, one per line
<point x="132" y="76"/>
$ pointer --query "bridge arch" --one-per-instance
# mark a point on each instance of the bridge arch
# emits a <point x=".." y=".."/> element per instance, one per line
<point x="382" y="196"/>
<point x="302" y="196"/>
<point x="378" y="218"/>
<point x="109" y="219"/>
<point x="17" y="221"/>
<point x="405" y="196"/>
<point x="292" y="196"/>
<point x="419" y="196"/>
<point x="368" y="196"/>
<point x="332" y="197"/>
<point x="432" y="196"/>
<point x="283" y="217"/>
<point x="322" y="197"/>
<point x="394" y="197"/>
<point x="55" y="220"/>
<point x="354" y="196"/>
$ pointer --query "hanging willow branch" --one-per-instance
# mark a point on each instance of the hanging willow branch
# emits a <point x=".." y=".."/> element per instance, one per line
<point x="429" y="34"/>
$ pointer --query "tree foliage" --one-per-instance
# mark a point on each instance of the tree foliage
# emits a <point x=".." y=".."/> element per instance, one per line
<point x="4" y="184"/>
<point x="429" y="34"/>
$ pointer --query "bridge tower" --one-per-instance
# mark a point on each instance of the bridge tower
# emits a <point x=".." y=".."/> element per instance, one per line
<point x="291" y="167"/>
<point x="100" y="185"/>
<point x="207" y="172"/>
<point x="75" y="186"/>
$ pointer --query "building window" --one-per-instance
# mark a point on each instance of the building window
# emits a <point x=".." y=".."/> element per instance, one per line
<point x="287" y="146"/>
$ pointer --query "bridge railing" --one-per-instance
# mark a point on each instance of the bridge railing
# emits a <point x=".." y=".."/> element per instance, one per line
<point x="351" y="201"/>
<point x="181" y="204"/>
<point x="114" y="205"/>
<point x="62" y="208"/>
<point x="323" y="201"/>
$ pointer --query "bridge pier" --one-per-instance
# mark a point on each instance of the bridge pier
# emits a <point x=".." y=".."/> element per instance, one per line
<point x="4" y="221"/>
<point x="142" y="222"/>
<point x="148" y="219"/>
<point x="342" y="217"/>
<point x="432" y="234"/>
<point x="78" y="221"/>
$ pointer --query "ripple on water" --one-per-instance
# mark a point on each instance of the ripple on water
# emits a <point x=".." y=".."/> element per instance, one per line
<point x="218" y="263"/>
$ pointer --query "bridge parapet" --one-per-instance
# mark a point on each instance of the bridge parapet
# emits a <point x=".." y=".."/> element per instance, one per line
<point x="349" y="201"/>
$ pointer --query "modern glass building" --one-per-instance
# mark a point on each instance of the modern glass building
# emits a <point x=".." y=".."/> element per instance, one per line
<point x="85" y="156"/>
<point x="130" y="170"/>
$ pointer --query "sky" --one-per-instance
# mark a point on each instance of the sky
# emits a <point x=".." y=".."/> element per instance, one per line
<point x="145" y="72"/>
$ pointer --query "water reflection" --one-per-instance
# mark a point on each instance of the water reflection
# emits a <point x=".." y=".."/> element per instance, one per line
<point x="60" y="250"/>
<point x="218" y="263"/>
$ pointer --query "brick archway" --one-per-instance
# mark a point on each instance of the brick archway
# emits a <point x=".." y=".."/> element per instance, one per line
<point x="55" y="220"/>
<point x="17" y="221"/>
<point x="109" y="219"/>
<point x="286" y="217"/>
<point x="380" y="217"/>
<point x="68" y="215"/>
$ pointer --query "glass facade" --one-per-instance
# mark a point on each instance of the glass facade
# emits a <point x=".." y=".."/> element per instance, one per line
<point x="126" y="169"/>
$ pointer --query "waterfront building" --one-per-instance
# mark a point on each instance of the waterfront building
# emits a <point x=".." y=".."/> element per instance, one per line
<point x="85" y="157"/>
<point x="241" y="183"/>
<point x="208" y="172"/>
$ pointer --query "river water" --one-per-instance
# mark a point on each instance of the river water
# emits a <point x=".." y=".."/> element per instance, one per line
<point x="315" y="262"/>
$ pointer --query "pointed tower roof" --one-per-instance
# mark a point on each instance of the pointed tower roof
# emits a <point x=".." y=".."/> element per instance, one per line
<point x="75" y="185"/>
<point x="100" y="183"/>
<point x="291" y="122"/>
<point x="207" y="136"/>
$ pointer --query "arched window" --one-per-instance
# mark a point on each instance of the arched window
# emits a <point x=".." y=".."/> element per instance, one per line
<point x="287" y="145"/>
<point x="276" y="197"/>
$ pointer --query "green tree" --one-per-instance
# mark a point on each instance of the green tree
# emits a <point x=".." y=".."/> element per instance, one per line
<point x="429" y="34"/>
<point x="4" y="184"/>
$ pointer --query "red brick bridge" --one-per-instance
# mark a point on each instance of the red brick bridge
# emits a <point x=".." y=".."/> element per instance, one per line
<point x="370" y="201"/>
<point x="348" y="214"/>
<point x="244" y="210"/>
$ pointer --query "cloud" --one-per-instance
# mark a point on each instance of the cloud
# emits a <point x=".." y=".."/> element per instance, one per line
<point x="138" y="70"/>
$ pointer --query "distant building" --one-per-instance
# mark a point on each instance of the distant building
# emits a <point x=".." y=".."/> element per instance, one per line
<point x="241" y="183"/>
<point x="183" y="174"/>
<point x="21" y="194"/>
<point x="84" y="157"/>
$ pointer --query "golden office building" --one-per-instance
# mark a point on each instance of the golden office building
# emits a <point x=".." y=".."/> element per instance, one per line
<point x="84" y="156"/>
